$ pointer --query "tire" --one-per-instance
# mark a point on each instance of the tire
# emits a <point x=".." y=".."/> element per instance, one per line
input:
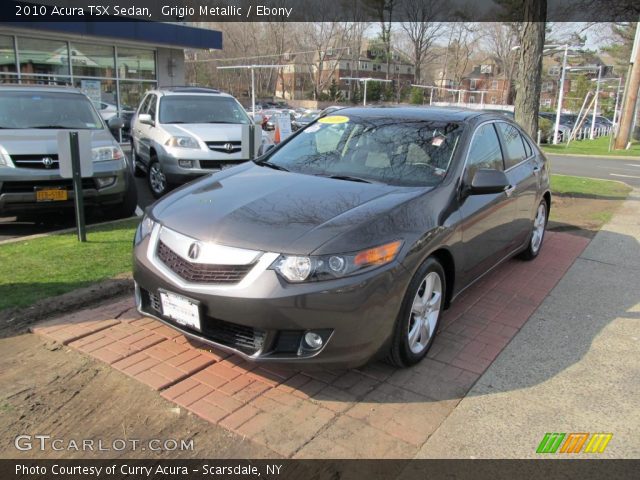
<point x="156" y="178"/>
<point x="137" y="171"/>
<point x="406" y="348"/>
<point x="536" y="236"/>
<point x="129" y="204"/>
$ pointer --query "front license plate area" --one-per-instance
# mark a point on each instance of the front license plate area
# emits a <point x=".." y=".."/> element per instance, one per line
<point x="182" y="310"/>
<point x="51" y="194"/>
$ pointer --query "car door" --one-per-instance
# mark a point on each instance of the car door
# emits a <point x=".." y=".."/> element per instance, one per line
<point x="486" y="219"/>
<point x="522" y="171"/>
<point x="144" y="131"/>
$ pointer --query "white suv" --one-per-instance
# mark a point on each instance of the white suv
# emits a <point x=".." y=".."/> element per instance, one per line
<point x="181" y="133"/>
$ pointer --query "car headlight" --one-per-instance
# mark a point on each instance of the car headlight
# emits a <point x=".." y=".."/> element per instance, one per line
<point x="144" y="229"/>
<point x="5" y="158"/>
<point x="182" y="142"/>
<point x="298" y="268"/>
<point x="102" y="154"/>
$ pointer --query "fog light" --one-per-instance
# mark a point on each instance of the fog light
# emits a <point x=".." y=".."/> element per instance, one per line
<point x="104" y="182"/>
<point x="313" y="340"/>
<point x="185" y="163"/>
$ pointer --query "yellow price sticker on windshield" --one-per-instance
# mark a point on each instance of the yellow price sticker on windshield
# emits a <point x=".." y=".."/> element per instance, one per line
<point x="334" y="119"/>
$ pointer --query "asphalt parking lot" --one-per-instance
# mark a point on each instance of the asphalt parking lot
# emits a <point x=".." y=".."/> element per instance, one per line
<point x="374" y="412"/>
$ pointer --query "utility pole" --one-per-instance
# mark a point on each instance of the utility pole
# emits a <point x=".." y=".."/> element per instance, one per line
<point x="630" y="96"/>
<point x="592" y="134"/>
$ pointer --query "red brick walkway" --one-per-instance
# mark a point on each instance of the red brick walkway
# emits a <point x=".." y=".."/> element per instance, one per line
<point x="376" y="411"/>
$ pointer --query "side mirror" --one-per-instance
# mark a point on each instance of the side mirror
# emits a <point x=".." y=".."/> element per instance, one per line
<point x="486" y="181"/>
<point x="146" y="119"/>
<point x="115" y="123"/>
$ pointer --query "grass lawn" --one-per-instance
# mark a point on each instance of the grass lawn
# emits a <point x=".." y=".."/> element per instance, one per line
<point x="599" y="146"/>
<point x="47" y="266"/>
<point x="584" y="205"/>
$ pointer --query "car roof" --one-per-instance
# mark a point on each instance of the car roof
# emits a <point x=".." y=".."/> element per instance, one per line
<point x="40" y="88"/>
<point x="165" y="91"/>
<point x="444" y="114"/>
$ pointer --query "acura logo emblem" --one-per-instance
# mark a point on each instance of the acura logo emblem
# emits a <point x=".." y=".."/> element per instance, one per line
<point x="194" y="251"/>
<point x="228" y="147"/>
<point x="47" y="161"/>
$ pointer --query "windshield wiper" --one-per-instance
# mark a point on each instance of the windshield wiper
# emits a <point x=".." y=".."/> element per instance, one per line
<point x="348" y="178"/>
<point x="266" y="163"/>
<point x="57" y="127"/>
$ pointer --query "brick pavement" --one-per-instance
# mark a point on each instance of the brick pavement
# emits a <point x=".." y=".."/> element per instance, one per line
<point x="375" y="411"/>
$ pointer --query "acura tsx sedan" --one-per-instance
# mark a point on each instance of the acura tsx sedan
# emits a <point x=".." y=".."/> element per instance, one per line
<point x="348" y="240"/>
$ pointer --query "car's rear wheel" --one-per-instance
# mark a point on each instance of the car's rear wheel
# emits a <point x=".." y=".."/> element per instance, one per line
<point x="419" y="316"/>
<point x="537" y="233"/>
<point x="157" y="179"/>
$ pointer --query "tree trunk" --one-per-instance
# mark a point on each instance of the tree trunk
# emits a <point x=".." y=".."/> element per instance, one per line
<point x="528" y="82"/>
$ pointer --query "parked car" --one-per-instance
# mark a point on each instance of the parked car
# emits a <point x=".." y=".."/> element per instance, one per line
<point x="304" y="120"/>
<point x="182" y="133"/>
<point x="346" y="241"/>
<point x="30" y="183"/>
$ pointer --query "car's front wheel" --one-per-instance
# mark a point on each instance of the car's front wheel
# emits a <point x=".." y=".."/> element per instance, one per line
<point x="537" y="233"/>
<point x="157" y="179"/>
<point x="419" y="316"/>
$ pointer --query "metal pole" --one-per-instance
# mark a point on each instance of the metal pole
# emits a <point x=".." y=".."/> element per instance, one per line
<point x="77" y="185"/>
<point x="252" y="140"/>
<point x="253" y="92"/>
<point x="595" y="106"/>
<point x="364" y="100"/>
<point x="556" y="127"/>
<point x="431" y="97"/>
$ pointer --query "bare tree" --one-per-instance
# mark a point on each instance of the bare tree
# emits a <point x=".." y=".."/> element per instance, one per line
<point x="462" y="37"/>
<point x="502" y="38"/>
<point x="422" y="29"/>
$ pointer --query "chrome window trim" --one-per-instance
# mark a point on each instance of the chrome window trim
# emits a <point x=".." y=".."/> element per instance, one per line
<point x="264" y="261"/>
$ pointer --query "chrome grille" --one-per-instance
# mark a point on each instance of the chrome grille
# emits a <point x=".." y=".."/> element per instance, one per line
<point x="200" y="272"/>
<point x="221" y="147"/>
<point x="36" y="161"/>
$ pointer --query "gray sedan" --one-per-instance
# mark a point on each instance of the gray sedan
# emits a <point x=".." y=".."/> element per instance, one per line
<point x="348" y="240"/>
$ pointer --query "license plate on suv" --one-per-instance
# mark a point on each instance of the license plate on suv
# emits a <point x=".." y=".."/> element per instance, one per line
<point x="182" y="310"/>
<point x="51" y="194"/>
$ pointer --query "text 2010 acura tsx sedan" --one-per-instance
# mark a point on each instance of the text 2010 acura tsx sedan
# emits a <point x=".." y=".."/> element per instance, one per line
<point x="346" y="241"/>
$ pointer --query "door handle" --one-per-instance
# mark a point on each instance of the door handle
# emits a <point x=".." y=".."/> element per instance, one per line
<point x="509" y="190"/>
<point x="536" y="170"/>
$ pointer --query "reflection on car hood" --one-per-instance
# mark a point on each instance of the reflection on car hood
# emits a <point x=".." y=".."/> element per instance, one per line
<point x="43" y="141"/>
<point x="263" y="209"/>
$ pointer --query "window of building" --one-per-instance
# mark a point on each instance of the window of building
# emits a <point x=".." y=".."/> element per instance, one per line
<point x="494" y="85"/>
<point x="136" y="63"/>
<point x="90" y="60"/>
<point x="484" y="151"/>
<point x="472" y="99"/>
<point x="554" y="71"/>
<point x="494" y="100"/>
<point x="46" y="58"/>
<point x="514" y="151"/>
<point x="7" y="59"/>
<point x="473" y="84"/>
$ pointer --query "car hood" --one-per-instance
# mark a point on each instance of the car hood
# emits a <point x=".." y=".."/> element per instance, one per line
<point x="44" y="142"/>
<point x="263" y="209"/>
<point x="207" y="132"/>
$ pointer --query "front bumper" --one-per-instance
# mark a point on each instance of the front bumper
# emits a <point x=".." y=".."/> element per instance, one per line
<point x="18" y="188"/>
<point x="203" y="163"/>
<point x="265" y="319"/>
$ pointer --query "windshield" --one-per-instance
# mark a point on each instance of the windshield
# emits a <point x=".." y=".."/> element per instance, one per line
<point x="388" y="150"/>
<point x="201" y="109"/>
<point x="57" y="110"/>
<point x="309" y="117"/>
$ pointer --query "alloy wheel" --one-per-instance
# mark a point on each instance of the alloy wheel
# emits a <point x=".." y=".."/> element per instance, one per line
<point x="157" y="179"/>
<point x="425" y="311"/>
<point x="539" y="224"/>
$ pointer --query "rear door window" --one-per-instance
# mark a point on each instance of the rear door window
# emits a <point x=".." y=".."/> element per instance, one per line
<point x="513" y="143"/>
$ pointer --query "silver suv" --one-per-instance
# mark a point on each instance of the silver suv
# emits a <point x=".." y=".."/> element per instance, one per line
<point x="181" y="133"/>
<point x="30" y="181"/>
